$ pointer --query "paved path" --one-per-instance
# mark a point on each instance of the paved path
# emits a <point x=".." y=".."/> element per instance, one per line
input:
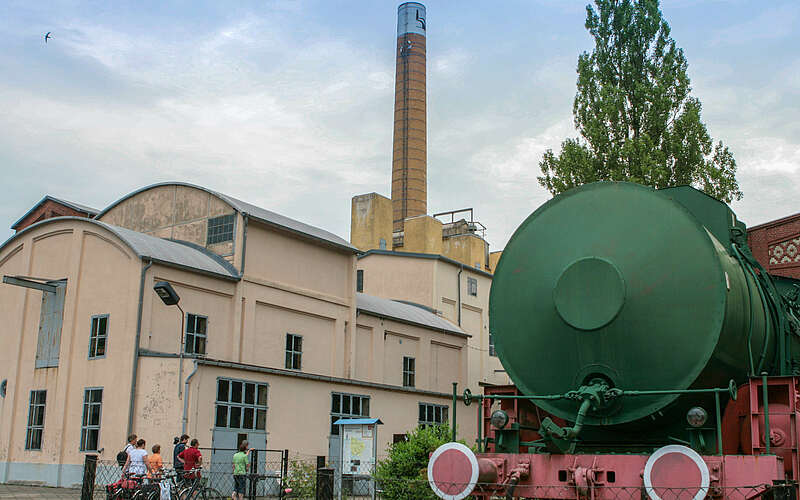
<point x="9" y="491"/>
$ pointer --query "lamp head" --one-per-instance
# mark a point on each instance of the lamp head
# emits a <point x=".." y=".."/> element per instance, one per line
<point x="167" y="294"/>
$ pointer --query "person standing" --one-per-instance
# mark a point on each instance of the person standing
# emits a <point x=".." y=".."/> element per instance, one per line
<point x="241" y="460"/>
<point x="137" y="463"/>
<point x="191" y="459"/>
<point x="155" y="462"/>
<point x="122" y="456"/>
<point x="179" y="447"/>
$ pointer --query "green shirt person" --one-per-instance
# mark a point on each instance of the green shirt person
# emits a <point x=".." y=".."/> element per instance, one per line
<point x="240" y="462"/>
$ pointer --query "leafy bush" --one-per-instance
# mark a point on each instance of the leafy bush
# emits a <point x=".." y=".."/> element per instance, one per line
<point x="301" y="478"/>
<point x="403" y="475"/>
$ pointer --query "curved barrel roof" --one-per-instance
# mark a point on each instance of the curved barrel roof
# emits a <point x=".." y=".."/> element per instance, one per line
<point x="254" y="212"/>
<point x="171" y="253"/>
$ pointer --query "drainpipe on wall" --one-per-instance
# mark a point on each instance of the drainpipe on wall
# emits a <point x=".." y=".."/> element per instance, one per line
<point x="244" y="243"/>
<point x="186" y="398"/>
<point x="136" y="347"/>
<point x="460" y="270"/>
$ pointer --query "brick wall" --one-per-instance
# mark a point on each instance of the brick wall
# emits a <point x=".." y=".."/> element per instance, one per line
<point x="776" y="245"/>
<point x="47" y="210"/>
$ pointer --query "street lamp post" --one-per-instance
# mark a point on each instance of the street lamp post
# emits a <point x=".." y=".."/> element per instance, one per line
<point x="170" y="297"/>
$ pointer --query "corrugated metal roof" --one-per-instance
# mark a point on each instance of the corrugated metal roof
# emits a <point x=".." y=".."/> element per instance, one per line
<point x="177" y="253"/>
<point x="295" y="226"/>
<point x="405" y="313"/>
<point x="75" y="206"/>
<point x="257" y="213"/>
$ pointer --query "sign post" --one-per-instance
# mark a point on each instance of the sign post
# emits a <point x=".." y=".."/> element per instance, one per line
<point x="359" y="449"/>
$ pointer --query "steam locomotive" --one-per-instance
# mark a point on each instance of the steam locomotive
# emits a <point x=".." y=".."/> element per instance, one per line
<point x="651" y="355"/>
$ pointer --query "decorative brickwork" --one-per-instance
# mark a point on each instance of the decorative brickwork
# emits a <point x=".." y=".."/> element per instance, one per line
<point x="776" y="245"/>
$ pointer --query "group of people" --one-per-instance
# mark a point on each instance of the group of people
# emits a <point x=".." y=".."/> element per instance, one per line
<point x="138" y="462"/>
<point x="185" y="459"/>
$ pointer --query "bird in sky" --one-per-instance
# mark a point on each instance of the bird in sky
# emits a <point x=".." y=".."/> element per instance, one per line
<point x="48" y="36"/>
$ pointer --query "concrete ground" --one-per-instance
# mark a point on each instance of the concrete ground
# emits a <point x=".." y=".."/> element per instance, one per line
<point x="10" y="491"/>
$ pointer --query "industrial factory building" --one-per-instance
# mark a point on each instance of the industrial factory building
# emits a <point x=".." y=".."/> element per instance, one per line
<point x="270" y="341"/>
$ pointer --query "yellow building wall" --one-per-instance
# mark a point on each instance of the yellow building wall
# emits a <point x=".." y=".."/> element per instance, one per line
<point x="494" y="258"/>
<point x="371" y="222"/>
<point x="469" y="249"/>
<point x="422" y="234"/>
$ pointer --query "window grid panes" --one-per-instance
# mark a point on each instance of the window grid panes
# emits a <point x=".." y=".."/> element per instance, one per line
<point x="431" y="414"/>
<point x="472" y="286"/>
<point x="294" y="351"/>
<point x="347" y="406"/>
<point x="360" y="280"/>
<point x="196" y="334"/>
<point x="241" y="404"/>
<point x="491" y="345"/>
<point x="98" y="336"/>
<point x="220" y="229"/>
<point x="90" y="422"/>
<point x="35" y="429"/>
<point x="409" y="366"/>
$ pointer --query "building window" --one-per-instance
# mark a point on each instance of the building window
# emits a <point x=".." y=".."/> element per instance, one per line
<point x="382" y="244"/>
<point x="472" y="286"/>
<point x="347" y="406"/>
<point x="90" y="422"/>
<point x="294" y="351"/>
<point x="220" y="229"/>
<point x="431" y="414"/>
<point x="98" y="336"/>
<point x="408" y="371"/>
<point x="360" y="280"/>
<point x="491" y="345"/>
<point x="241" y="405"/>
<point x="33" y="436"/>
<point x="196" y="334"/>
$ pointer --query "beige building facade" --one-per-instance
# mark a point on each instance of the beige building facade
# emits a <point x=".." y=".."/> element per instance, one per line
<point x="450" y="290"/>
<point x="273" y="345"/>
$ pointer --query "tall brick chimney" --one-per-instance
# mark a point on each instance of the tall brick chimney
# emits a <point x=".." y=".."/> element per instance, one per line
<point x="409" y="155"/>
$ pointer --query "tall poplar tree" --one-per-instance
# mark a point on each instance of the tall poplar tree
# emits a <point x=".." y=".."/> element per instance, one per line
<point x="634" y="112"/>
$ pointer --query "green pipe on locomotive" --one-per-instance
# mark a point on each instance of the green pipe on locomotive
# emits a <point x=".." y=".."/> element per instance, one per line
<point x="615" y="286"/>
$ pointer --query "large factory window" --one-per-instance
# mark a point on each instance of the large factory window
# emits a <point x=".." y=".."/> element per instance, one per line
<point x="491" y="345"/>
<point x="347" y="406"/>
<point x="408" y="371"/>
<point x="294" y="351"/>
<point x="241" y="405"/>
<point x="220" y="229"/>
<point x="33" y="436"/>
<point x="196" y="334"/>
<point x="431" y="414"/>
<point x="90" y="422"/>
<point x="472" y="287"/>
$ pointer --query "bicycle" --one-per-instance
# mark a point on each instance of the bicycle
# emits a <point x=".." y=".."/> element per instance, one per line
<point x="126" y="488"/>
<point x="199" y="489"/>
<point x="168" y="476"/>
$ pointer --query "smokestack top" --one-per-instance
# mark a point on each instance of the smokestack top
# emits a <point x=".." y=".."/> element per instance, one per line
<point x="411" y="18"/>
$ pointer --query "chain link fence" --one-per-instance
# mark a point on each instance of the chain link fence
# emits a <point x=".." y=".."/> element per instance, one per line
<point x="305" y="478"/>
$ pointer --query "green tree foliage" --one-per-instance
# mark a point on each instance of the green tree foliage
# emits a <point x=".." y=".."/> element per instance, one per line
<point x="634" y="111"/>
<point x="403" y="475"/>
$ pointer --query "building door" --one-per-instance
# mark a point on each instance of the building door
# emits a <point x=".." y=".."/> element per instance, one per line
<point x="240" y="414"/>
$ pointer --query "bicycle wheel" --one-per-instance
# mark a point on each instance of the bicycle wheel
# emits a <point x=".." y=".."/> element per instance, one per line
<point x="213" y="494"/>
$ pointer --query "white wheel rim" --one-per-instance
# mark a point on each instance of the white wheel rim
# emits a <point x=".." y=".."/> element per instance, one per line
<point x="682" y="450"/>
<point x="473" y="477"/>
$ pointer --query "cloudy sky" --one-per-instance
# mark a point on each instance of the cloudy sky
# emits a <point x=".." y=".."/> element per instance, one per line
<point x="288" y="104"/>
